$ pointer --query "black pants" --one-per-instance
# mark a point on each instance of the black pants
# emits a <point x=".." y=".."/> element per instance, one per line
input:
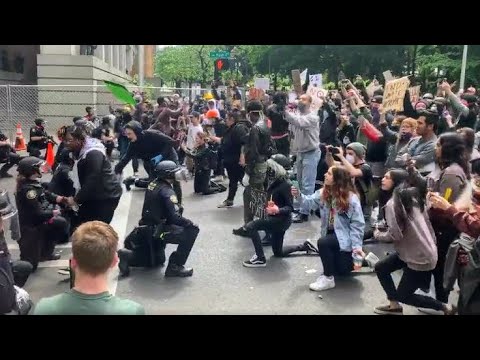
<point x="235" y="175"/>
<point x="220" y="169"/>
<point x="276" y="228"/>
<point x="101" y="210"/>
<point x="445" y="237"/>
<point x="410" y="282"/>
<point x="148" y="249"/>
<point x="201" y="182"/>
<point x="185" y="237"/>
<point x="35" y="151"/>
<point x="283" y="145"/>
<point x="13" y="159"/>
<point x="135" y="164"/>
<point x="109" y="146"/>
<point x="335" y="261"/>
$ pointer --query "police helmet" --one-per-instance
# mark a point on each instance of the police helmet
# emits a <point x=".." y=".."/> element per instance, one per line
<point x="282" y="160"/>
<point x="166" y="170"/>
<point x="39" y="122"/>
<point x="29" y="166"/>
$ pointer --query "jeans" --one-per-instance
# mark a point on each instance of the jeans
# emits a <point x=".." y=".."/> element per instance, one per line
<point x="335" y="262"/>
<point x="276" y="228"/>
<point x="410" y="282"/>
<point x="307" y="163"/>
<point x="235" y="174"/>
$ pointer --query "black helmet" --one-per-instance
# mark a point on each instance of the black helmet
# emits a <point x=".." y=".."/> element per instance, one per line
<point x="39" y="122"/>
<point x="282" y="160"/>
<point x="166" y="170"/>
<point x="29" y="166"/>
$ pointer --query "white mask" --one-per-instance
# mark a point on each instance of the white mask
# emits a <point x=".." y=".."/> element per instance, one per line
<point x="350" y="159"/>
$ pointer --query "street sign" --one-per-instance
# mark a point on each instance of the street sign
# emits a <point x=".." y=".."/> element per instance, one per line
<point x="219" y="54"/>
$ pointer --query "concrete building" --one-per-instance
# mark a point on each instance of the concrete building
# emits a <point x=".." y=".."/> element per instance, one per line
<point x="55" y="68"/>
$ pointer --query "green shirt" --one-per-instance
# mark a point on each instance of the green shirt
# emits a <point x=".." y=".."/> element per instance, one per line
<point x="73" y="302"/>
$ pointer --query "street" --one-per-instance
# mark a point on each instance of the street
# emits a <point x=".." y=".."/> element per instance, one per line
<point x="220" y="284"/>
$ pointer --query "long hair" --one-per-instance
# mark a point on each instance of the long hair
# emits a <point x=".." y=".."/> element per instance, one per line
<point x="340" y="190"/>
<point x="454" y="151"/>
<point x="405" y="199"/>
<point x="469" y="137"/>
<point x="398" y="176"/>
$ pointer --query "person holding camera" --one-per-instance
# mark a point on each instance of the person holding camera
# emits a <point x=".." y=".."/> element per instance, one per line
<point x="354" y="162"/>
<point x="306" y="144"/>
<point x="276" y="114"/>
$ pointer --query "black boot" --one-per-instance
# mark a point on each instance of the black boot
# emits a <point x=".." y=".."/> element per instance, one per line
<point x="123" y="265"/>
<point x="299" y="218"/>
<point x="174" y="270"/>
<point x="128" y="182"/>
<point x="241" y="232"/>
<point x="54" y="256"/>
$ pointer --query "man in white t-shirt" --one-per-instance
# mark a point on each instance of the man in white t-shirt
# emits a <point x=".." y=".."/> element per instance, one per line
<point x="194" y="128"/>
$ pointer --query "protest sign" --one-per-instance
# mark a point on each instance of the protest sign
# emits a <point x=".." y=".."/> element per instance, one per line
<point x="414" y="93"/>
<point x="317" y="95"/>
<point x="262" y="83"/>
<point x="303" y="77"/>
<point x="395" y="93"/>
<point x="316" y="80"/>
<point x="387" y="76"/>
<point x="292" y="96"/>
<point x="297" y="84"/>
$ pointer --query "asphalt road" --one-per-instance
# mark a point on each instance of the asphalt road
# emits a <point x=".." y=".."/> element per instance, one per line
<point x="220" y="284"/>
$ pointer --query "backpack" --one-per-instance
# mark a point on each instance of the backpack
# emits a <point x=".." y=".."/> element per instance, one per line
<point x="7" y="289"/>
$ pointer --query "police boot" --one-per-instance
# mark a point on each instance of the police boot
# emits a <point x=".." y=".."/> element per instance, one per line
<point x="128" y="182"/>
<point x="174" y="270"/>
<point x="124" y="256"/>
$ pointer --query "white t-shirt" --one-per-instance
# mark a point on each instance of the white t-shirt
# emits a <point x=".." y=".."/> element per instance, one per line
<point x="192" y="134"/>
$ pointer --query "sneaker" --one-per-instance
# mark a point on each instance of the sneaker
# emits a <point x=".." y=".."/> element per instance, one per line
<point x="372" y="260"/>
<point x="424" y="292"/>
<point x="254" y="262"/>
<point x="225" y="204"/>
<point x="241" y="232"/>
<point x="323" y="283"/>
<point x="387" y="310"/>
<point x="311" y="248"/>
<point x="64" y="271"/>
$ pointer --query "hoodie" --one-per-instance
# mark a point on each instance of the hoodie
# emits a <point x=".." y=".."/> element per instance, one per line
<point x="232" y="141"/>
<point x="414" y="242"/>
<point x="279" y="191"/>
<point x="97" y="180"/>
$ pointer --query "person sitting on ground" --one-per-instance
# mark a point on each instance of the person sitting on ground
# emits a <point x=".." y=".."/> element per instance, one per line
<point x="410" y="230"/>
<point x="278" y="219"/>
<point x="94" y="253"/>
<point x="342" y="226"/>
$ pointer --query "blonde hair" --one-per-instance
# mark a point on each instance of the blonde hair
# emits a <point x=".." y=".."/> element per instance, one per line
<point x="94" y="245"/>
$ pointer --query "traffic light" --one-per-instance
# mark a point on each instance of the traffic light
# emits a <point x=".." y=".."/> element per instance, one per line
<point x="222" y="64"/>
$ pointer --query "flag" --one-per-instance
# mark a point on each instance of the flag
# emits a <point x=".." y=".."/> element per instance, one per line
<point x="120" y="92"/>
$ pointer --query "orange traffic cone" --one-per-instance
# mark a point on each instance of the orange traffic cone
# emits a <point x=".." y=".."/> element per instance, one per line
<point x="19" y="140"/>
<point x="49" y="159"/>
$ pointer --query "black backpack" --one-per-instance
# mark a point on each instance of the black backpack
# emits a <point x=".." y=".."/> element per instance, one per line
<point x="7" y="289"/>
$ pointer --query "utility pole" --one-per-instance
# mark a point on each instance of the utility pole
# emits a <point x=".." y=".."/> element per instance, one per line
<point x="464" y="65"/>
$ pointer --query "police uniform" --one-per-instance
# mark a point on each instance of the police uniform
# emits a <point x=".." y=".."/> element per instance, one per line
<point x="8" y="156"/>
<point x="161" y="223"/>
<point x="34" y="147"/>
<point x="39" y="229"/>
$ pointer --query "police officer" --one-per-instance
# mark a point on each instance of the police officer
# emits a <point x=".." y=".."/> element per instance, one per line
<point x="151" y="146"/>
<point x="7" y="156"/>
<point x="161" y="223"/>
<point x="41" y="225"/>
<point x="38" y="138"/>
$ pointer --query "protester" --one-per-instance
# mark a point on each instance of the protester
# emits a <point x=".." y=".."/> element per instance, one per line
<point x="8" y="156"/>
<point x="276" y="114"/>
<point x="342" y="225"/>
<point x="94" y="253"/>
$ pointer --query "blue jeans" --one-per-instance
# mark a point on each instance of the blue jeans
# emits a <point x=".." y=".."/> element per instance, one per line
<point x="307" y="163"/>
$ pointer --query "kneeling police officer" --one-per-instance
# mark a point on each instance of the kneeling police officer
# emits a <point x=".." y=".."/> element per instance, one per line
<point x="161" y="223"/>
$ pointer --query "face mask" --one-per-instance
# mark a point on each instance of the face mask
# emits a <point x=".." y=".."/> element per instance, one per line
<point x="350" y="159"/>
<point x="406" y="136"/>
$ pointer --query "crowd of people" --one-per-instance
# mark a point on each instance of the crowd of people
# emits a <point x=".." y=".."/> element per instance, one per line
<point x="411" y="178"/>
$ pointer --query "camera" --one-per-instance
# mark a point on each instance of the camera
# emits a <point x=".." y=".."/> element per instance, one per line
<point x="333" y="150"/>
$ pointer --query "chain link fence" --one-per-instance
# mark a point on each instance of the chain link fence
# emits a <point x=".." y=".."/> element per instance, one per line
<point x="58" y="105"/>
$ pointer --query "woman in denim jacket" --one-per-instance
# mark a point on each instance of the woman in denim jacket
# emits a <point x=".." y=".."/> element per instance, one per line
<point x="342" y="225"/>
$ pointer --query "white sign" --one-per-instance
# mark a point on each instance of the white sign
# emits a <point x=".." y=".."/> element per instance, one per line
<point x="388" y="76"/>
<point x="317" y="95"/>
<point x="303" y="77"/>
<point x="316" y="80"/>
<point x="262" y="83"/>
<point x="292" y="96"/>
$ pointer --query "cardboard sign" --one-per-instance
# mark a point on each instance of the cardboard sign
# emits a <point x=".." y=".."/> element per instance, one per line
<point x="262" y="83"/>
<point x="317" y="95"/>
<point x="258" y="202"/>
<point x="297" y="83"/>
<point x="256" y="94"/>
<point x="395" y="93"/>
<point x="388" y="76"/>
<point x="414" y="93"/>
<point x="303" y="77"/>
<point x="372" y="87"/>
<point x="316" y="80"/>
